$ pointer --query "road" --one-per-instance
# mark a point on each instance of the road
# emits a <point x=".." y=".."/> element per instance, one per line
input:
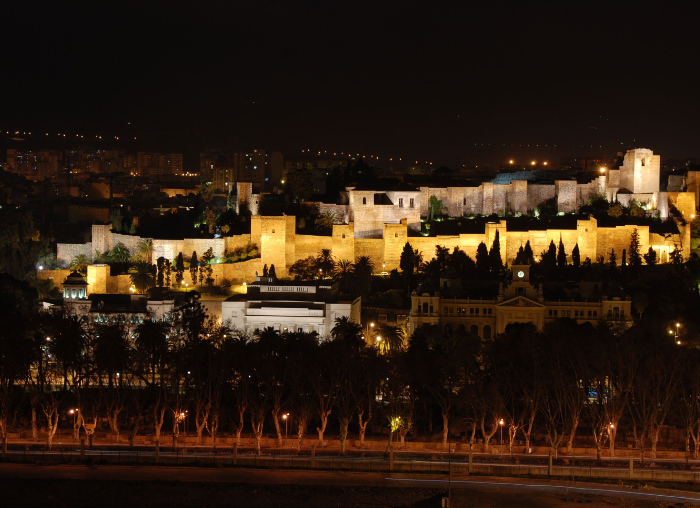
<point x="334" y="478"/>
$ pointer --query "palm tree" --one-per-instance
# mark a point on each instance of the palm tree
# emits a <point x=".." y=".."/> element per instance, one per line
<point x="343" y="272"/>
<point x="142" y="276"/>
<point x="325" y="263"/>
<point x="324" y="222"/>
<point x="363" y="275"/>
<point x="119" y="254"/>
<point x="145" y="249"/>
<point x="347" y="331"/>
<point x="390" y="338"/>
<point x="80" y="264"/>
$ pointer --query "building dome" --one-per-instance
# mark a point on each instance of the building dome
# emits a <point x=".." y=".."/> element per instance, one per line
<point x="75" y="287"/>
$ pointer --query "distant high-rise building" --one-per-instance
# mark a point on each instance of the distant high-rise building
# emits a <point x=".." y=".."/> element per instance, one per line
<point x="36" y="166"/>
<point x="224" y="168"/>
<point x="153" y="165"/>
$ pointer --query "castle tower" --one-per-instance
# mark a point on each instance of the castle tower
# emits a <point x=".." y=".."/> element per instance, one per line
<point x="640" y="171"/>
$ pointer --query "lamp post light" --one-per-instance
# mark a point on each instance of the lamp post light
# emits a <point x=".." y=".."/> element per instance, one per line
<point x="500" y="422"/>
<point x="284" y="417"/>
<point x="676" y="332"/>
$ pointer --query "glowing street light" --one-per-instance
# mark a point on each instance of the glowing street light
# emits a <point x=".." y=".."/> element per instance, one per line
<point x="676" y="332"/>
<point x="501" y="422"/>
<point x="285" y="418"/>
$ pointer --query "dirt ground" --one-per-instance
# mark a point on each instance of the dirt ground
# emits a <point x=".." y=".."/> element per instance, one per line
<point x="127" y="494"/>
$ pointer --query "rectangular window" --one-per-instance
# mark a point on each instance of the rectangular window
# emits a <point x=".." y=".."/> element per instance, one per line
<point x="550" y="313"/>
<point x="595" y="313"/>
<point x="471" y="310"/>
<point x="382" y="318"/>
<point x="410" y="202"/>
<point x="476" y="311"/>
<point x="459" y="311"/>
<point x="590" y="313"/>
<point x="400" y="202"/>
<point x="446" y="310"/>
<point x="452" y="310"/>
<point x="555" y="313"/>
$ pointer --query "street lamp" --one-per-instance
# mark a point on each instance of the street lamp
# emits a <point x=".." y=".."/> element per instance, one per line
<point x="73" y="412"/>
<point x="284" y="417"/>
<point x="501" y="424"/>
<point x="675" y="332"/>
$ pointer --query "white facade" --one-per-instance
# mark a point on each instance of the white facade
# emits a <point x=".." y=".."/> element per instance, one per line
<point x="287" y="307"/>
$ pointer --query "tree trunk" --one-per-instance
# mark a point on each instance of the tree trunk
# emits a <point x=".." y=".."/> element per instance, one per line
<point x="257" y="430"/>
<point x="655" y="431"/>
<point x="134" y="429"/>
<point x="512" y="432"/>
<point x="324" y="422"/>
<point x="471" y="438"/>
<point x="598" y="438"/>
<point x="214" y="428"/>
<point x="158" y="419"/>
<point x="344" y="422"/>
<point x="445" y="430"/>
<point x="527" y="431"/>
<point x="51" y="425"/>
<point x="572" y="435"/>
<point x="35" y="427"/>
<point x="554" y="440"/>
<point x="201" y="418"/>
<point x="278" y="428"/>
<point x="612" y="432"/>
<point x="239" y="429"/>
<point x="487" y="435"/>
<point x="363" y="427"/>
<point x="403" y="431"/>
<point x="113" y="419"/>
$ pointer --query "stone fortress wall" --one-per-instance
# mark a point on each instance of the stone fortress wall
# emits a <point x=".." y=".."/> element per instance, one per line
<point x="637" y="178"/>
<point x="383" y="240"/>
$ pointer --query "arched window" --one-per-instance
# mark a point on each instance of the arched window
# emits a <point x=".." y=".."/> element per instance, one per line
<point x="461" y="329"/>
<point x="448" y="328"/>
<point x="487" y="332"/>
<point x="474" y="330"/>
<point x="425" y="307"/>
<point x="364" y="201"/>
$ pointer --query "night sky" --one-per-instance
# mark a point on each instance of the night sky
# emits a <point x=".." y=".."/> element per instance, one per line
<point x="424" y="81"/>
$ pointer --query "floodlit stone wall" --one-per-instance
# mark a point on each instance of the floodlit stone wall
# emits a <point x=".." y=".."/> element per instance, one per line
<point x="65" y="252"/>
<point x="566" y="195"/>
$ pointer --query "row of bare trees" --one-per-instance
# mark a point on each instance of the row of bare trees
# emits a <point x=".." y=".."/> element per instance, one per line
<point x="569" y="382"/>
<point x="574" y="381"/>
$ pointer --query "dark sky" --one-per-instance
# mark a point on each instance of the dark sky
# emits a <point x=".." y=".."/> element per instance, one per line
<point x="425" y="81"/>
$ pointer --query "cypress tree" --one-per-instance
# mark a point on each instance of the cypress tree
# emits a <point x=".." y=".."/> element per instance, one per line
<point x="496" y="264"/>
<point x="576" y="257"/>
<point x="529" y="255"/>
<point x="561" y="255"/>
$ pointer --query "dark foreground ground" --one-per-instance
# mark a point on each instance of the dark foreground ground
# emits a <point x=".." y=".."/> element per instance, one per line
<point x="133" y="494"/>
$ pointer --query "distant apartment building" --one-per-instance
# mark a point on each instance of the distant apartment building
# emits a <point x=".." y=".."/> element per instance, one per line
<point x="154" y="165"/>
<point x="35" y="165"/>
<point x="95" y="161"/>
<point x="225" y="168"/>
